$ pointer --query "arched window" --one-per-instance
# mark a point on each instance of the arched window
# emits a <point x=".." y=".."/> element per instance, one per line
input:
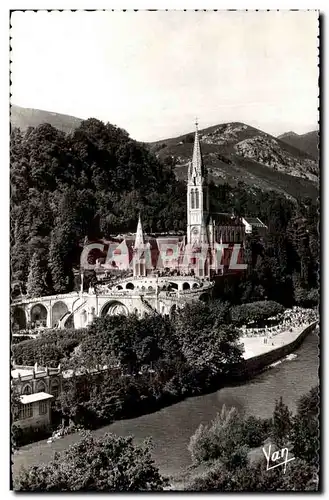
<point x="192" y="198"/>
<point x="83" y="316"/>
<point x="41" y="386"/>
<point x="27" y="389"/>
<point x="59" y="310"/>
<point x="197" y="199"/>
<point x="54" y="388"/>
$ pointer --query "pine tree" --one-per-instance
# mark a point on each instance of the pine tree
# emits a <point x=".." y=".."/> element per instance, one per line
<point x="281" y="423"/>
<point x="56" y="265"/>
<point x="36" y="282"/>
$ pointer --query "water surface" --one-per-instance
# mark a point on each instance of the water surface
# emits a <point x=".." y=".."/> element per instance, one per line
<point x="172" y="427"/>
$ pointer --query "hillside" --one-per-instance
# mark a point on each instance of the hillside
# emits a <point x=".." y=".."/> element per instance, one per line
<point x="232" y="152"/>
<point x="27" y="117"/>
<point x="235" y="152"/>
<point x="305" y="142"/>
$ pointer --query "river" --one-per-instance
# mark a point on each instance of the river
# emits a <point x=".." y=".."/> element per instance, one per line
<point x="172" y="427"/>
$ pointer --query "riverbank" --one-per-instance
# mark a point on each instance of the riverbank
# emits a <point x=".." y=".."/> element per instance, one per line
<point x="259" y="355"/>
<point x="172" y="426"/>
<point x="258" y="346"/>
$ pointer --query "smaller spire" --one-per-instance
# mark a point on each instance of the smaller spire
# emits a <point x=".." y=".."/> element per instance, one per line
<point x="139" y="239"/>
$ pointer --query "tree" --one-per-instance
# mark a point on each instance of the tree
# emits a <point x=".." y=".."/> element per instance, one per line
<point x="256" y="312"/>
<point x="306" y="428"/>
<point x="109" y="463"/>
<point x="281" y="424"/>
<point x="36" y="282"/>
<point x="299" y="476"/>
<point x="223" y="440"/>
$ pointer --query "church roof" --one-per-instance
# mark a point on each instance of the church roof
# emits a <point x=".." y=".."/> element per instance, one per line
<point x="226" y="219"/>
<point x="254" y="221"/>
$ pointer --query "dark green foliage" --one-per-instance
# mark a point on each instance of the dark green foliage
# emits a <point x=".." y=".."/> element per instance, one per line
<point x="255" y="312"/>
<point x="299" y="476"/>
<point x="49" y="349"/>
<point x="36" y="282"/>
<point x="94" y="181"/>
<point x="223" y="440"/>
<point x="23" y="436"/>
<point x="206" y="340"/>
<point x="306" y="428"/>
<point x="281" y="424"/>
<point x="256" y="431"/>
<point x="224" y="445"/>
<point x="157" y="364"/>
<point x="108" y="463"/>
<point x="228" y="438"/>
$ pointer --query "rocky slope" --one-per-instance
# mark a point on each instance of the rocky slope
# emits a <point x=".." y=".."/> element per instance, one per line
<point x="236" y="152"/>
<point x="232" y="152"/>
<point x="305" y="142"/>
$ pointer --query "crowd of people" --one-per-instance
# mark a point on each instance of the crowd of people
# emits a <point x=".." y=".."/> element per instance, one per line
<point x="289" y="319"/>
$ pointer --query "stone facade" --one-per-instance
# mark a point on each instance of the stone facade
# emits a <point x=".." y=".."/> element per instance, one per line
<point x="37" y="387"/>
<point x="162" y="273"/>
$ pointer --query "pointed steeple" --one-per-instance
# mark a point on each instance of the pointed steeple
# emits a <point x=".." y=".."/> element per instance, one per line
<point x="197" y="158"/>
<point x="139" y="239"/>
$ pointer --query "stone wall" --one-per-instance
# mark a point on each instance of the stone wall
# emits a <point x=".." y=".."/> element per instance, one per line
<point x="256" y="364"/>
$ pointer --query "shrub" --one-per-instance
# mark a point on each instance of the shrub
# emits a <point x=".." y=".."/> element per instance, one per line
<point x="220" y="440"/>
<point x="256" y="431"/>
<point x="109" y="463"/>
<point x="255" y="312"/>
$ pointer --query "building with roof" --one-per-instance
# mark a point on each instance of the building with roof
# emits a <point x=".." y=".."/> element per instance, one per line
<point x="37" y="387"/>
<point x="254" y="224"/>
<point x="211" y="241"/>
<point x="148" y="274"/>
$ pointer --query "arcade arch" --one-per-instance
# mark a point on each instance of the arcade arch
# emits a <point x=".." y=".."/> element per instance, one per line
<point x="58" y="311"/>
<point x="114" y="308"/>
<point x="19" y="319"/>
<point x="204" y="297"/>
<point x="39" y="315"/>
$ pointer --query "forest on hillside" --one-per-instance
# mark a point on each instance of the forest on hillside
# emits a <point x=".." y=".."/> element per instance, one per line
<point x="95" y="180"/>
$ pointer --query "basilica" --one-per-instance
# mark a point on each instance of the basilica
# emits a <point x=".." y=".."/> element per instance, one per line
<point x="213" y="244"/>
<point x="146" y="274"/>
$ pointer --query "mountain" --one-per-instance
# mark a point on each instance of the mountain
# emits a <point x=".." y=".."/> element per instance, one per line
<point x="234" y="152"/>
<point x="305" y="142"/>
<point x="27" y="117"/>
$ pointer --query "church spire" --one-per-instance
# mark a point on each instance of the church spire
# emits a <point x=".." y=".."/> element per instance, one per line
<point x="197" y="158"/>
<point x="139" y="239"/>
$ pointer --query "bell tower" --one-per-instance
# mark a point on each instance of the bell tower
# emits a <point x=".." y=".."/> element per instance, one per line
<point x="197" y="195"/>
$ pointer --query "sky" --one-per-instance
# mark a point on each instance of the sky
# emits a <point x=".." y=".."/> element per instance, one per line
<point x="153" y="73"/>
